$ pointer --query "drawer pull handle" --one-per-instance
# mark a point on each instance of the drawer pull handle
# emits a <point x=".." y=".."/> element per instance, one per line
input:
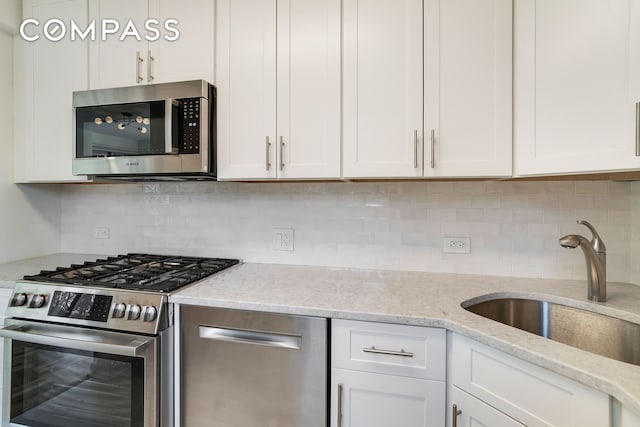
<point x="402" y="353"/>
<point x="454" y="415"/>
<point x="339" y="405"/>
<point x="415" y="148"/>
<point x="268" y="152"/>
<point x="638" y="129"/>
<point x="433" y="148"/>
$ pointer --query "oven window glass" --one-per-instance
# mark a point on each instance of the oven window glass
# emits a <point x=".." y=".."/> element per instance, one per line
<point x="57" y="387"/>
<point x="136" y="129"/>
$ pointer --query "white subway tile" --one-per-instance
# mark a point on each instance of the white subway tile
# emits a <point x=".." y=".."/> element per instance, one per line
<point x="514" y="226"/>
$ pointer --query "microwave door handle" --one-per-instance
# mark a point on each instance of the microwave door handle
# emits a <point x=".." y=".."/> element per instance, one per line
<point x="134" y="348"/>
<point x="168" y="125"/>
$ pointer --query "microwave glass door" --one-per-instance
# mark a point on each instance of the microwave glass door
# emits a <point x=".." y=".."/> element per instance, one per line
<point x="136" y="129"/>
<point x="60" y="387"/>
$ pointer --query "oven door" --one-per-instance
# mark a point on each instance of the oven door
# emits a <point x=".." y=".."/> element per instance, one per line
<point x="64" y="376"/>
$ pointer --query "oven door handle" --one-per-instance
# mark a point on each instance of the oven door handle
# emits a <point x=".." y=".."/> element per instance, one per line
<point x="95" y="341"/>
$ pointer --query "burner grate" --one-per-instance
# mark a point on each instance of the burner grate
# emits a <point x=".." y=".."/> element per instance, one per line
<point x="157" y="273"/>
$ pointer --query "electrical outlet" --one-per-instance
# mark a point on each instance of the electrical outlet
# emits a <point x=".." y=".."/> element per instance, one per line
<point x="101" y="233"/>
<point x="456" y="245"/>
<point x="282" y="239"/>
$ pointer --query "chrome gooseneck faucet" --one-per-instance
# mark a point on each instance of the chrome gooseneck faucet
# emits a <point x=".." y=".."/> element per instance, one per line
<point x="595" y="253"/>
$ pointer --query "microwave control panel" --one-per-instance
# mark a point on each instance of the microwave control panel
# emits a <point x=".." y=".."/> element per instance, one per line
<point x="190" y="109"/>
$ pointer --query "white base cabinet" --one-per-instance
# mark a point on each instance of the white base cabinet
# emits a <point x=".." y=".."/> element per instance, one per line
<point x="472" y="412"/>
<point x="387" y="375"/>
<point x="526" y="393"/>
<point x="364" y="399"/>
<point x="623" y="417"/>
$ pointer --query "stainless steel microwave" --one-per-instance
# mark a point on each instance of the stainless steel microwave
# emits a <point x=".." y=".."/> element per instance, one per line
<point x="151" y="132"/>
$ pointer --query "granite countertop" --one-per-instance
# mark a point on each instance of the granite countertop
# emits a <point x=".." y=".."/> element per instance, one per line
<point x="429" y="299"/>
<point x="412" y="298"/>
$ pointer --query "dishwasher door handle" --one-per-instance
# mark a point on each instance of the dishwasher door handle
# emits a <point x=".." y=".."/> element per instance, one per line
<point x="243" y="336"/>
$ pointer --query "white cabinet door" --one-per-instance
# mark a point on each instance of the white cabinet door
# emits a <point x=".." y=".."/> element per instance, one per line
<point x="529" y="394"/>
<point x="308" y="75"/>
<point x="114" y="62"/>
<point x="191" y="57"/>
<point x="246" y="83"/>
<point x="468" y="88"/>
<point x="283" y="55"/>
<point x="576" y="85"/>
<point x="375" y="400"/>
<point x="46" y="75"/>
<point x="383" y="90"/>
<point x="471" y="412"/>
<point x="128" y="62"/>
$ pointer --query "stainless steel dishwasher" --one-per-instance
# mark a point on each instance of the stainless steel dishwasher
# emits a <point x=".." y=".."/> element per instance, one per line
<point x="252" y="369"/>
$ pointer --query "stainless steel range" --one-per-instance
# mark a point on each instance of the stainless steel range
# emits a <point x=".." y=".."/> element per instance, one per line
<point x="92" y="345"/>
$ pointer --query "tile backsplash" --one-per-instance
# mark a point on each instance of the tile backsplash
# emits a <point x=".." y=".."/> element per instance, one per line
<point x="514" y="226"/>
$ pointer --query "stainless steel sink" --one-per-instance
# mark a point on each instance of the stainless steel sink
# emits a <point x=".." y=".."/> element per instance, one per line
<point x="583" y="329"/>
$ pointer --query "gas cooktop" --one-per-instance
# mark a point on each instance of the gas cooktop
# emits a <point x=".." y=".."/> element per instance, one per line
<point x="140" y="272"/>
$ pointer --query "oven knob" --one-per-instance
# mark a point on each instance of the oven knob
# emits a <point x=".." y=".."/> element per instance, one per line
<point x="37" y="300"/>
<point x="149" y="313"/>
<point x="134" y="312"/>
<point x="18" y="300"/>
<point x="118" y="310"/>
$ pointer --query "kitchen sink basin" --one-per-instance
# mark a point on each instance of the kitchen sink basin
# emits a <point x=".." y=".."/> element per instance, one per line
<point x="597" y="333"/>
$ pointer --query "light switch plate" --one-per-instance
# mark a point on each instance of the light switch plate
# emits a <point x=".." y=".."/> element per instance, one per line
<point x="282" y="239"/>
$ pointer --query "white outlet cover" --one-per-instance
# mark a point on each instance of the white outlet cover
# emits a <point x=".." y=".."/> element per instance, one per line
<point x="456" y="245"/>
<point x="101" y="233"/>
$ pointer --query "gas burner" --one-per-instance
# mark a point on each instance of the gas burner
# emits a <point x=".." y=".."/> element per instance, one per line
<point x="143" y="272"/>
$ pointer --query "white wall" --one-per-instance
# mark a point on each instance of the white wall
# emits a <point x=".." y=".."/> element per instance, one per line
<point x="29" y="215"/>
<point x="514" y="226"/>
<point x="10" y="14"/>
<point x="635" y="232"/>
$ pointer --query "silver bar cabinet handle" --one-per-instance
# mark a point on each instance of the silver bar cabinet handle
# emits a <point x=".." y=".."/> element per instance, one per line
<point x="637" y="128"/>
<point x="433" y="148"/>
<point x="375" y="350"/>
<point x="139" y="61"/>
<point x="281" y="153"/>
<point x="415" y="149"/>
<point x="268" y="152"/>
<point x="340" y="405"/>
<point x="455" y="412"/>
<point x="150" y="60"/>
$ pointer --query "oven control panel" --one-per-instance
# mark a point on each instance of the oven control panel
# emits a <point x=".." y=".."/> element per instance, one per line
<point x="133" y="311"/>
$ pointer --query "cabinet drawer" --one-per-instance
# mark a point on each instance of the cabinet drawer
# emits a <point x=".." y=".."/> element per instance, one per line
<point x="532" y="395"/>
<point x="410" y="351"/>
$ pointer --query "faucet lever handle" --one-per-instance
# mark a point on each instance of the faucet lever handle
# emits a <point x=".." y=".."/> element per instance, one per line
<point x="596" y="242"/>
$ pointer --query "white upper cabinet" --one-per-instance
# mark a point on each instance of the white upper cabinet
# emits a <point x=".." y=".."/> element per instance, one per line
<point x="127" y="62"/>
<point x="468" y="93"/>
<point x="308" y="76"/>
<point x="427" y="88"/>
<point x="278" y="79"/>
<point x="246" y="82"/>
<point x="577" y="85"/>
<point x="383" y="91"/>
<point x="46" y="74"/>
